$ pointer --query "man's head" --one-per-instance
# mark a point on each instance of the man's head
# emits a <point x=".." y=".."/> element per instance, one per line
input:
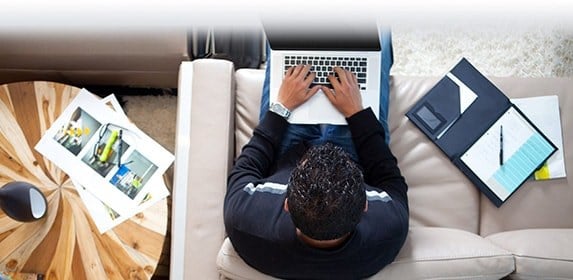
<point x="326" y="196"/>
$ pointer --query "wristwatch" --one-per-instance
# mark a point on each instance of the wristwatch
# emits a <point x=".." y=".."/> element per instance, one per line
<point x="280" y="110"/>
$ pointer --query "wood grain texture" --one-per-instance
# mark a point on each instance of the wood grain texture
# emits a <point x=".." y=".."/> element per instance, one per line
<point x="65" y="244"/>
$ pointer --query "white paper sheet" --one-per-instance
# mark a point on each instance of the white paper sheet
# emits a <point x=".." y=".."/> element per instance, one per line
<point x="467" y="98"/>
<point x="543" y="111"/>
<point x="106" y="218"/>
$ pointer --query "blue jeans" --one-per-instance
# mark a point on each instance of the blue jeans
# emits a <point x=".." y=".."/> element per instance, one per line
<point x="336" y="134"/>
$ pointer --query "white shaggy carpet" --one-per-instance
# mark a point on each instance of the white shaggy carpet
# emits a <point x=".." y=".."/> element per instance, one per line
<point x="502" y="51"/>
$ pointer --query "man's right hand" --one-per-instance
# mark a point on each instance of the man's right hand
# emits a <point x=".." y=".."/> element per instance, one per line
<point x="295" y="88"/>
<point x="346" y="95"/>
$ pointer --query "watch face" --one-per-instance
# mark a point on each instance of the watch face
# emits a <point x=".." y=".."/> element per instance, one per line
<point x="280" y="110"/>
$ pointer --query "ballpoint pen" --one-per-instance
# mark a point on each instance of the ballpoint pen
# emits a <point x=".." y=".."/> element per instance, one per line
<point x="501" y="145"/>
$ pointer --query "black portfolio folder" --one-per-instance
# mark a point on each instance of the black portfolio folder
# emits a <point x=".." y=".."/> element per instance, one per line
<point x="487" y="137"/>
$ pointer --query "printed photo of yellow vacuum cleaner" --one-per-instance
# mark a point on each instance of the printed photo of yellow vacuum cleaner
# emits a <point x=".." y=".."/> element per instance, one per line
<point x="107" y="150"/>
<point x="78" y="130"/>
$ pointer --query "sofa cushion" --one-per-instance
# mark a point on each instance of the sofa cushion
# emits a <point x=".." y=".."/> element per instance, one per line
<point x="428" y="253"/>
<point x="249" y="88"/>
<point x="539" y="253"/>
<point x="439" y="194"/>
<point x="232" y="266"/>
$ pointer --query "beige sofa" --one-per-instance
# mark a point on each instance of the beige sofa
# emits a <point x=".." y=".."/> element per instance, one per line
<point x="121" y="57"/>
<point x="456" y="232"/>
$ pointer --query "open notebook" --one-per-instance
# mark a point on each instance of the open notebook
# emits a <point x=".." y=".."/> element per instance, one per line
<point x="481" y="131"/>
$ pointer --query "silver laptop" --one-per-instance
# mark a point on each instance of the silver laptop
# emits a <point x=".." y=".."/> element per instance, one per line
<point x="356" y="48"/>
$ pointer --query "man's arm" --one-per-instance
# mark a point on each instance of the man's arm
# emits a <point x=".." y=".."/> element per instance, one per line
<point x="379" y="164"/>
<point x="259" y="154"/>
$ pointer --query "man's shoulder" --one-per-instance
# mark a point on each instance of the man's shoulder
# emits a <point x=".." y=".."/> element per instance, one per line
<point x="265" y="187"/>
<point x="256" y="203"/>
<point x="386" y="217"/>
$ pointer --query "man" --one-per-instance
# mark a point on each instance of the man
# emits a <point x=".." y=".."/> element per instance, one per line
<point x="307" y="209"/>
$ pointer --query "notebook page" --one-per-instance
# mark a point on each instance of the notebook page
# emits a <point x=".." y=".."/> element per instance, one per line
<point x="503" y="165"/>
<point x="543" y="111"/>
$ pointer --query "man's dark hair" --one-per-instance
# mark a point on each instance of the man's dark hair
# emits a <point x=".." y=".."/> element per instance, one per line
<point x="326" y="195"/>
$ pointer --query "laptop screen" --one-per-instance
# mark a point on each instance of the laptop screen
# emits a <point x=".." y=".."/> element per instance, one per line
<point x="331" y="37"/>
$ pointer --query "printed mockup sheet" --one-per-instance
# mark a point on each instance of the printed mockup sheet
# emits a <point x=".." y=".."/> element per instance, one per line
<point x="104" y="216"/>
<point x="105" y="153"/>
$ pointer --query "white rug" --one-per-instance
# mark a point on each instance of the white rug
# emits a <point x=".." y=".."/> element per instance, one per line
<point x="495" y="51"/>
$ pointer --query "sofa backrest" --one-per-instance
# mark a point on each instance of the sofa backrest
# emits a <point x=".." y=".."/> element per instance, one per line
<point x="439" y="194"/>
<point x="249" y="86"/>
<point x="144" y="58"/>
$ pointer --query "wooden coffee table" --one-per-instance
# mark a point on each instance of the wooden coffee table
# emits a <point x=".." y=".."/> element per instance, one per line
<point x="66" y="243"/>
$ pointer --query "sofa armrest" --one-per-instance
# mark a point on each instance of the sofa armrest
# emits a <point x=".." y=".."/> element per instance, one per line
<point x="203" y="157"/>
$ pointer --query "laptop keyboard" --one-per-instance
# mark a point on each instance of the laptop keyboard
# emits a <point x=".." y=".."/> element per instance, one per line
<point x="323" y="66"/>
